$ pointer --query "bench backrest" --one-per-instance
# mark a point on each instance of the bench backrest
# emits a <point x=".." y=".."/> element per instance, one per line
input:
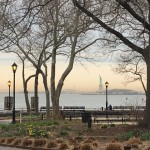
<point x="74" y="108"/>
<point x="123" y="107"/>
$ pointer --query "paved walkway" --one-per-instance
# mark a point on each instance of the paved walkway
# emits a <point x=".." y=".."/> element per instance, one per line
<point x="9" y="148"/>
<point x="5" y="121"/>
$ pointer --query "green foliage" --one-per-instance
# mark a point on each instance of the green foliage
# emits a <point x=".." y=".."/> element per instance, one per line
<point x="63" y="133"/>
<point x="145" y="136"/>
<point x="112" y="125"/>
<point x="9" y="130"/>
<point x="55" y="123"/>
<point x="36" y="132"/>
<point x="127" y="136"/>
<point x="104" y="126"/>
<point x="32" y="128"/>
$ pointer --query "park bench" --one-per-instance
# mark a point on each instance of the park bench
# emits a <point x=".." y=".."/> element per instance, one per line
<point x="140" y="107"/>
<point x="123" y="107"/>
<point x="43" y="108"/>
<point x="110" y="116"/>
<point x="128" y="107"/>
<point x="73" y="111"/>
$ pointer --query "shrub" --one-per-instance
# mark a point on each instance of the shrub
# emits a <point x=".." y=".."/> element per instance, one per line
<point x="37" y="132"/>
<point x="55" y="123"/>
<point x="26" y="142"/>
<point x="145" y="136"/>
<point x="91" y="138"/>
<point x="63" y="146"/>
<point x="79" y="138"/>
<point x="51" y="144"/>
<point x="2" y="140"/>
<point x="95" y="144"/>
<point x="10" y="140"/>
<point x="112" y="125"/>
<point x="59" y="140"/>
<point x="104" y="126"/>
<point x="126" y="136"/>
<point x="17" y="141"/>
<point x="113" y="146"/>
<point x="63" y="133"/>
<point x="86" y="147"/>
<point x="134" y="141"/>
<point x="76" y="147"/>
<point x="39" y="142"/>
<point x="88" y="141"/>
<point x="72" y="141"/>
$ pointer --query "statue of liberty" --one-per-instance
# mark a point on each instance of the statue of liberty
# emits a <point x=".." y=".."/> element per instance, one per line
<point x="100" y="84"/>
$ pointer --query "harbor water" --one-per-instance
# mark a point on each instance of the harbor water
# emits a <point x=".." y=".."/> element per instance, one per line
<point x="93" y="101"/>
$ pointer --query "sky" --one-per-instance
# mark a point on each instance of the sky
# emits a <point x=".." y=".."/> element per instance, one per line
<point x="80" y="79"/>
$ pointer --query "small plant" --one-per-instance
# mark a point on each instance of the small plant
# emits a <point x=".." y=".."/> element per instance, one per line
<point x="76" y="147"/>
<point x="134" y="141"/>
<point x="59" y="140"/>
<point x="86" y="147"/>
<point x="79" y="138"/>
<point x="104" y="126"/>
<point x="26" y="142"/>
<point x="113" y="146"/>
<point x="72" y="141"/>
<point x="145" y="136"/>
<point x="126" y="136"/>
<point x="2" y="140"/>
<point x="91" y="138"/>
<point x="9" y="140"/>
<point x="51" y="145"/>
<point x="63" y="146"/>
<point x="55" y="123"/>
<point x="39" y="142"/>
<point x="88" y="141"/>
<point x="112" y="125"/>
<point x="37" y="132"/>
<point x="17" y="141"/>
<point x="95" y="144"/>
<point x="63" y="133"/>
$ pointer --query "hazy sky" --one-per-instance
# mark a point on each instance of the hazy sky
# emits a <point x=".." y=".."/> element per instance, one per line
<point x="80" y="78"/>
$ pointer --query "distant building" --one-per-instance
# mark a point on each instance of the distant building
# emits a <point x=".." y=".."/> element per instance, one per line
<point x="123" y="92"/>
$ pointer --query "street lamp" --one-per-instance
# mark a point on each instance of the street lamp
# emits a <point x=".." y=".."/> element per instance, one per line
<point x="14" y="68"/>
<point x="106" y="84"/>
<point x="9" y="84"/>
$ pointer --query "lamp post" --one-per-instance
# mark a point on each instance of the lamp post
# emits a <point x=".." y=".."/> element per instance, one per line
<point x="14" y="68"/>
<point x="9" y="84"/>
<point x="106" y="84"/>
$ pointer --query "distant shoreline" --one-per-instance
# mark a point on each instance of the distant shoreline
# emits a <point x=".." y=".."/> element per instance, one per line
<point x="108" y="94"/>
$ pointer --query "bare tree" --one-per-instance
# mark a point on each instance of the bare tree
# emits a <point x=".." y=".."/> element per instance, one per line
<point x="131" y="66"/>
<point x="129" y="23"/>
<point x="46" y="32"/>
<point x="17" y="37"/>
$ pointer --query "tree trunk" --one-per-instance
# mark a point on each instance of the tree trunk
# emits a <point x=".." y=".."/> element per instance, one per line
<point x="56" y="111"/>
<point x="36" y="94"/>
<point x="146" y="120"/>
<point x="25" y="86"/>
<point x="27" y="101"/>
<point x="48" y="104"/>
<point x="47" y="97"/>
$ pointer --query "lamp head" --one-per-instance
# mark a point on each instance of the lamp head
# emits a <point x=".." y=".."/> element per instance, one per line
<point x="9" y="83"/>
<point x="14" y="67"/>
<point x="106" y="84"/>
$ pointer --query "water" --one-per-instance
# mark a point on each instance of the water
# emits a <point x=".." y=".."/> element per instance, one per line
<point x="89" y="101"/>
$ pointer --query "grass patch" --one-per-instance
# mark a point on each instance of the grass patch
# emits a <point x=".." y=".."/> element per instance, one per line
<point x="144" y="135"/>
